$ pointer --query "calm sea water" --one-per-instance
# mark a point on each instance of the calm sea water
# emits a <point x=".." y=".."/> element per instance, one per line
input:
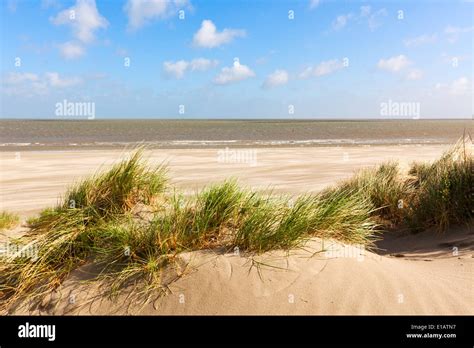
<point x="38" y="134"/>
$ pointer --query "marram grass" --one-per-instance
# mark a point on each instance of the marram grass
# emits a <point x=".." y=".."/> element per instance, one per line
<point x="8" y="220"/>
<point x="444" y="190"/>
<point x="385" y="187"/>
<point x="101" y="221"/>
<point x="67" y="235"/>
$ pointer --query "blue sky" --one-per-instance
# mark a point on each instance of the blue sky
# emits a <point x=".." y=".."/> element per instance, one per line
<point x="236" y="58"/>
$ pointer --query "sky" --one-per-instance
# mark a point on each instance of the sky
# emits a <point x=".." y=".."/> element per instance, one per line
<point x="237" y="59"/>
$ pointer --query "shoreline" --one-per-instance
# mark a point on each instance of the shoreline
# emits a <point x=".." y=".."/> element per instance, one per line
<point x="216" y="145"/>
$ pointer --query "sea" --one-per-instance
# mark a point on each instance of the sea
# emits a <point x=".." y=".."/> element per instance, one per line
<point x="120" y="133"/>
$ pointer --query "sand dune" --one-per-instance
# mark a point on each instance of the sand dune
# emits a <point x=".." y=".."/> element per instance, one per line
<point x="425" y="273"/>
<point x="340" y="280"/>
<point x="417" y="275"/>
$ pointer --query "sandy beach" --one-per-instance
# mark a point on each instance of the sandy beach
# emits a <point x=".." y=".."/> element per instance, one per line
<point x="33" y="180"/>
<point x="427" y="273"/>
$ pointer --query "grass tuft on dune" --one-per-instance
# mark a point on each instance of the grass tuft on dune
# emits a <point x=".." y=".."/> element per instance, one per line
<point x="430" y="195"/>
<point x="128" y="223"/>
<point x="65" y="236"/>
<point x="8" y="220"/>
<point x="384" y="186"/>
<point x="444" y="190"/>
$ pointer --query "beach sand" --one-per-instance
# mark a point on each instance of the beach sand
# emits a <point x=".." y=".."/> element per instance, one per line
<point x="427" y="273"/>
<point x="32" y="180"/>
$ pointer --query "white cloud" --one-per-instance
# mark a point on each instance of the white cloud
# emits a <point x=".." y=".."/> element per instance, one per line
<point x="459" y="86"/>
<point x="341" y="21"/>
<point x="365" y="13"/>
<point x="179" y="68"/>
<point x="141" y="12"/>
<point x="324" y="68"/>
<point x="454" y="32"/>
<point x="71" y="50"/>
<point x="208" y="36"/>
<point x="374" y="19"/>
<point x="175" y="69"/>
<point x="55" y="80"/>
<point x="394" y="64"/>
<point x="83" y="18"/>
<point x="277" y="78"/>
<point x="420" y="40"/>
<point x="16" y="78"/>
<point x="30" y="84"/>
<point x="399" y="64"/>
<point x="237" y="72"/>
<point x="454" y="60"/>
<point x="414" y="74"/>
<point x="23" y="85"/>
<point x="328" y="67"/>
<point x="314" y="3"/>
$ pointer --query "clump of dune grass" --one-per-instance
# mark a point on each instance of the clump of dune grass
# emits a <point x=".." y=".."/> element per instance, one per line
<point x="345" y="216"/>
<point x="444" y="190"/>
<point x="259" y="225"/>
<point x="385" y="187"/>
<point x="68" y="234"/>
<point x="430" y="195"/>
<point x="130" y="252"/>
<point x="217" y="211"/>
<point x="341" y="216"/>
<point x="60" y="250"/>
<point x="106" y="194"/>
<point x="8" y="220"/>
